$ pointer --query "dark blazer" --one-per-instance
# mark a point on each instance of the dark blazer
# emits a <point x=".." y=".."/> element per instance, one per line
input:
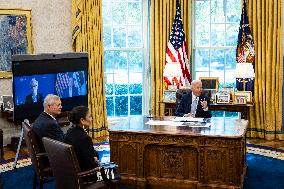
<point x="184" y="106"/>
<point x="29" y="99"/>
<point x="83" y="146"/>
<point x="46" y="126"/>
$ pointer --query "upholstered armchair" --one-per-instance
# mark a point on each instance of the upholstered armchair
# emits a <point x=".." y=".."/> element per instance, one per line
<point x="38" y="156"/>
<point x="66" y="170"/>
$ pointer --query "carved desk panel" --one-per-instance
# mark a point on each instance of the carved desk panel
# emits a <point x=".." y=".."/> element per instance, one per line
<point x="180" y="157"/>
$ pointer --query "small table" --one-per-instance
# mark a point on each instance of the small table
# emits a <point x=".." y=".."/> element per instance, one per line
<point x="170" y="108"/>
<point x="230" y="107"/>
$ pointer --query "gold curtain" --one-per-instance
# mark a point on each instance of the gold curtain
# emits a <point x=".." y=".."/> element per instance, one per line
<point x="162" y="13"/>
<point x="87" y="36"/>
<point x="265" y="17"/>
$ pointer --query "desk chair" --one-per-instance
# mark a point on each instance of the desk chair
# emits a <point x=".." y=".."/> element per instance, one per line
<point x="66" y="170"/>
<point x="38" y="156"/>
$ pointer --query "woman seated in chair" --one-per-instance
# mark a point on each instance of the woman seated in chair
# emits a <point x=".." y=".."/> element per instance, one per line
<point x="88" y="158"/>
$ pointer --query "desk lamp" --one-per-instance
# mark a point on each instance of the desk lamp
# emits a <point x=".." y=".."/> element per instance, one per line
<point x="173" y="72"/>
<point x="244" y="71"/>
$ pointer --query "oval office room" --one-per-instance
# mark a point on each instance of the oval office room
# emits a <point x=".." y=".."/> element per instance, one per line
<point x="176" y="94"/>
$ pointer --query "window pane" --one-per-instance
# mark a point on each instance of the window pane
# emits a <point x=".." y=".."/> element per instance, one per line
<point x="202" y="11"/>
<point x="232" y="34"/>
<point x="202" y="60"/>
<point x="109" y="84"/>
<point x="217" y="34"/>
<point x="230" y="66"/>
<point x="120" y="87"/>
<point x="201" y="74"/>
<point x="109" y="61"/>
<point x="217" y="11"/>
<point x="202" y="35"/>
<point x="120" y="61"/>
<point x="217" y="59"/>
<point x="135" y="36"/>
<point x="134" y="13"/>
<point x="135" y="61"/>
<point x="110" y="106"/>
<point x="121" y="106"/>
<point x="119" y="13"/>
<point x="106" y="12"/>
<point x="135" y="83"/>
<point x="107" y="36"/>
<point x="136" y="105"/>
<point x="119" y="37"/>
<point x="233" y="11"/>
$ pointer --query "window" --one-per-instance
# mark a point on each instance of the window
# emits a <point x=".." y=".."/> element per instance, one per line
<point x="124" y="52"/>
<point x="215" y="35"/>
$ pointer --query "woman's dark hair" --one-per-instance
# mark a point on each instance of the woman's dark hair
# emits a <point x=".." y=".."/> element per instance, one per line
<point x="77" y="113"/>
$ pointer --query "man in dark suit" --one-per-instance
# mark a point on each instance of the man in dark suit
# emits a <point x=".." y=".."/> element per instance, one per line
<point x="71" y="90"/>
<point x="46" y="125"/>
<point x="34" y="97"/>
<point x="194" y="104"/>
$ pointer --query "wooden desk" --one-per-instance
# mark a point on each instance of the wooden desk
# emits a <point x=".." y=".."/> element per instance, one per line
<point x="170" y="108"/>
<point x="180" y="157"/>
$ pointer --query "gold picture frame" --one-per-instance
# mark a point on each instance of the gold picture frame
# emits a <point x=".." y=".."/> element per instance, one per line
<point x="17" y="37"/>
<point x="223" y="99"/>
<point x="240" y="99"/>
<point x="247" y="94"/>
<point x="169" y="96"/>
<point x="210" y="83"/>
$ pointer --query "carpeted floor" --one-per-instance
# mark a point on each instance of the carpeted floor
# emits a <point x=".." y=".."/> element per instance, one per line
<point x="265" y="169"/>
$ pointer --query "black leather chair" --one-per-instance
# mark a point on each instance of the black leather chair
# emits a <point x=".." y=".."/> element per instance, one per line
<point x="66" y="170"/>
<point x="38" y="156"/>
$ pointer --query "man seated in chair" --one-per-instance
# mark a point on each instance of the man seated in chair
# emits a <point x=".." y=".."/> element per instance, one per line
<point x="46" y="125"/>
<point x="194" y="104"/>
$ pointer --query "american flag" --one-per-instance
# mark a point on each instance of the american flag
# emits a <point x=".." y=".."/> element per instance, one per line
<point x="61" y="83"/>
<point x="177" y="49"/>
<point x="241" y="57"/>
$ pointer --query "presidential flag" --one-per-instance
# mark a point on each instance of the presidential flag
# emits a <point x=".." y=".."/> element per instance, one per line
<point x="245" y="48"/>
<point x="177" y="50"/>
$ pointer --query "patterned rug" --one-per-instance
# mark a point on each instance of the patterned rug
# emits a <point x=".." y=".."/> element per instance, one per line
<point x="265" y="168"/>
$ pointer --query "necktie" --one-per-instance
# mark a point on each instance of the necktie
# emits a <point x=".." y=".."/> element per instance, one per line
<point x="194" y="107"/>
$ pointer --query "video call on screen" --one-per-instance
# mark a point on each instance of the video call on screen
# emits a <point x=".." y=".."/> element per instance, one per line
<point x="34" y="88"/>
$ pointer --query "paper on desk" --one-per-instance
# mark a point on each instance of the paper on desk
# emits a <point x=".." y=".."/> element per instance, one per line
<point x="197" y="124"/>
<point x="170" y="123"/>
<point x="184" y="119"/>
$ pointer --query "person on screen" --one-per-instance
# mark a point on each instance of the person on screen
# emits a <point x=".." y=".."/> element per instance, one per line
<point x="71" y="89"/>
<point x="194" y="104"/>
<point x="34" y="97"/>
<point x="76" y="136"/>
<point x="46" y="124"/>
<point x="80" y="82"/>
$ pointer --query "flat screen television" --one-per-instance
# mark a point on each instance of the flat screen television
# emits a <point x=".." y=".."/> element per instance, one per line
<point x="35" y="76"/>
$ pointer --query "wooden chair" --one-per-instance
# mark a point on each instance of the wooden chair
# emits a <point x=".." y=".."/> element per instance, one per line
<point x="66" y="170"/>
<point x="38" y="156"/>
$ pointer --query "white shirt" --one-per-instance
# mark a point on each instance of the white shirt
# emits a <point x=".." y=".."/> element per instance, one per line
<point x="50" y="115"/>
<point x="197" y="97"/>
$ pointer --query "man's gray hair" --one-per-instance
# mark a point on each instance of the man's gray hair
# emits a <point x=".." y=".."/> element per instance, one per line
<point x="194" y="82"/>
<point x="50" y="99"/>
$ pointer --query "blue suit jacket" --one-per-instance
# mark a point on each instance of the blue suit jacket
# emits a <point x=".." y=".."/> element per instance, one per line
<point x="184" y="107"/>
<point x="46" y="126"/>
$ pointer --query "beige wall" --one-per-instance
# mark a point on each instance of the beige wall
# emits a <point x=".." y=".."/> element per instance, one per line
<point x="51" y="32"/>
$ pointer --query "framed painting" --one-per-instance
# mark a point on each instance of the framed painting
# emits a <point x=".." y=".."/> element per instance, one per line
<point x="15" y="37"/>
<point x="210" y="83"/>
